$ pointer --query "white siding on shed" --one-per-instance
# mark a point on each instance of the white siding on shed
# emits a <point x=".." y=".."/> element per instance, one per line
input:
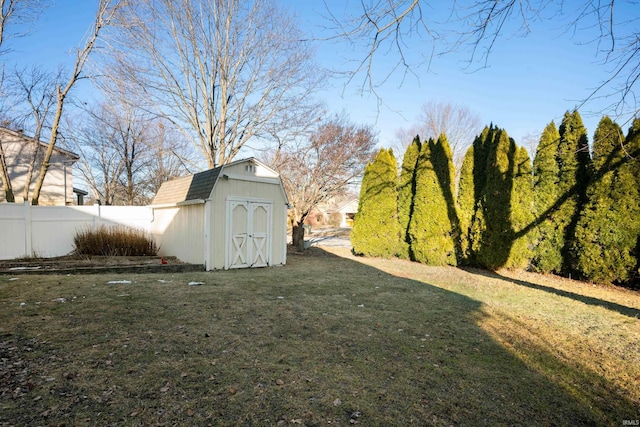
<point x="194" y="221"/>
<point x="179" y="231"/>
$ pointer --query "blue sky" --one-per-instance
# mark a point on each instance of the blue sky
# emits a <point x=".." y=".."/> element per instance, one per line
<point x="528" y="82"/>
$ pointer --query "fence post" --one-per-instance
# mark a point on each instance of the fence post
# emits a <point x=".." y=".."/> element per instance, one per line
<point x="28" y="246"/>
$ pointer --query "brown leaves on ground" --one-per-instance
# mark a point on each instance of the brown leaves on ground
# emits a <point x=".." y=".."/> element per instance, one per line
<point x="16" y="375"/>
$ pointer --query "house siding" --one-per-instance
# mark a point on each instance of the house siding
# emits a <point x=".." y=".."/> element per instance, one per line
<point x="19" y="151"/>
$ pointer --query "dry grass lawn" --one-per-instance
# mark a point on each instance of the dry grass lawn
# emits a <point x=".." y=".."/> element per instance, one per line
<point x="327" y="340"/>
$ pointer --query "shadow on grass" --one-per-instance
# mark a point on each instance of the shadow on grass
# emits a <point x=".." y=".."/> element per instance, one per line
<point x="619" y="308"/>
<point x="480" y="378"/>
<point x="322" y="340"/>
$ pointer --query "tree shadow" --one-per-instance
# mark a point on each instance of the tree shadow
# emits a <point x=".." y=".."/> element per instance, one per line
<point x="578" y="191"/>
<point x="499" y="234"/>
<point x="596" y="302"/>
<point x="440" y="166"/>
<point x="445" y="366"/>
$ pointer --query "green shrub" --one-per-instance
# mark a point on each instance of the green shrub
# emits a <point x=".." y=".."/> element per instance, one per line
<point x="376" y="231"/>
<point x="114" y="241"/>
<point x="608" y="229"/>
<point x="547" y="246"/>
<point x="562" y="170"/>
<point x="495" y="202"/>
<point x="495" y="238"/>
<point x="466" y="205"/>
<point x="430" y="228"/>
<point x="406" y="194"/>
<point x="521" y="215"/>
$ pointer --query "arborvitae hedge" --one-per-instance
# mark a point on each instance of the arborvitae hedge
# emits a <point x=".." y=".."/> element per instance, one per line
<point x="574" y="163"/>
<point x="632" y="146"/>
<point x="406" y="193"/>
<point x="495" y="202"/>
<point x="521" y="216"/>
<point x="471" y="195"/>
<point x="561" y="207"/>
<point x="446" y="173"/>
<point x="376" y="231"/>
<point x="430" y="230"/>
<point x="547" y="247"/>
<point x="607" y="232"/>
<point x="565" y="215"/>
<point x="494" y="247"/>
<point x="466" y="203"/>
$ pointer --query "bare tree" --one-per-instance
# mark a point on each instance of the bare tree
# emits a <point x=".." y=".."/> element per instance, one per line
<point x="4" y="175"/>
<point x="100" y="162"/>
<point x="224" y="71"/>
<point x="170" y="156"/>
<point x="126" y="153"/>
<point x="12" y="14"/>
<point x="33" y="90"/>
<point x="530" y="141"/>
<point x="104" y="15"/>
<point x="458" y="122"/>
<point x="322" y="167"/>
<point x="382" y="26"/>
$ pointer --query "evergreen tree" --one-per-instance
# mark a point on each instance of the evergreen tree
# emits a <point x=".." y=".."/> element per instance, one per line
<point x="466" y="204"/>
<point x="471" y="195"/>
<point x="607" y="232"/>
<point x="495" y="202"/>
<point x="497" y="237"/>
<point x="446" y="173"/>
<point x="521" y="216"/>
<point x="559" y="201"/>
<point x="376" y="230"/>
<point x="574" y="163"/>
<point x="406" y="193"/>
<point x="547" y="244"/>
<point x="430" y="230"/>
<point x="632" y="147"/>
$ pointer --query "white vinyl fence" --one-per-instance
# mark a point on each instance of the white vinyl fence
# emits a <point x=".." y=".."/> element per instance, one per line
<point x="47" y="231"/>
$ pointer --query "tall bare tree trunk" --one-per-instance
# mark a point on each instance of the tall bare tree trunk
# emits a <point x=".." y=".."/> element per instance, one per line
<point x="103" y="17"/>
<point x="52" y="142"/>
<point x="4" y="175"/>
<point x="297" y="237"/>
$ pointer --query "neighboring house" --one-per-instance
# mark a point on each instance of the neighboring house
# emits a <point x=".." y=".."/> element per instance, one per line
<point x="19" y="151"/>
<point x="335" y="213"/>
<point x="346" y="212"/>
<point x="232" y="216"/>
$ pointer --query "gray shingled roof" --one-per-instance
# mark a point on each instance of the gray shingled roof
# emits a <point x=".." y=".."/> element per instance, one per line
<point x="193" y="187"/>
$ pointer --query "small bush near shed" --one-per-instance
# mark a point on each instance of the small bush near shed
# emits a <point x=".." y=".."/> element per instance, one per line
<point x="114" y="241"/>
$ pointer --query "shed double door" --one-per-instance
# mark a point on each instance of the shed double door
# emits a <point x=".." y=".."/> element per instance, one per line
<point x="249" y="243"/>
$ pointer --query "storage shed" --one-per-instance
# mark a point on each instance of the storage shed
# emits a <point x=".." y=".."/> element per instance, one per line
<point x="232" y="216"/>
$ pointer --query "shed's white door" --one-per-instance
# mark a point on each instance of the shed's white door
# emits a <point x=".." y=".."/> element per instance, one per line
<point x="249" y="224"/>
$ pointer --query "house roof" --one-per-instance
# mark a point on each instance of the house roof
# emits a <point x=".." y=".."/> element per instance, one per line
<point x="349" y="207"/>
<point x="193" y="187"/>
<point x="19" y="134"/>
<point x="197" y="186"/>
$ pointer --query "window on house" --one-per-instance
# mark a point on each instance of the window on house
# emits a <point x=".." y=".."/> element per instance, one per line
<point x="250" y="168"/>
